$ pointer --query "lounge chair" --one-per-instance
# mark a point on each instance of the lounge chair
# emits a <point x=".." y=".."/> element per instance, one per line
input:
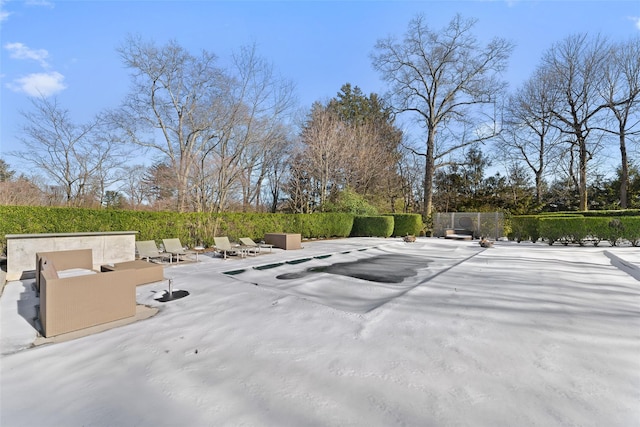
<point x="249" y="246"/>
<point x="148" y="249"/>
<point x="223" y="245"/>
<point x="248" y="242"/>
<point x="175" y="248"/>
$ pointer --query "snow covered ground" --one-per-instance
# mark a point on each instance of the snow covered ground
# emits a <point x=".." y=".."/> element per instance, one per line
<point x="514" y="335"/>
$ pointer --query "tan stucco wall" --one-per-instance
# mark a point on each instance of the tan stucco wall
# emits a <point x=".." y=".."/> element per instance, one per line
<point x="107" y="248"/>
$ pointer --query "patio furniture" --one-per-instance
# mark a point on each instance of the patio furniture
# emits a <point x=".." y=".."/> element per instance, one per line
<point x="223" y="245"/>
<point x="148" y="249"/>
<point x="65" y="261"/>
<point x="284" y="240"/>
<point x="247" y="241"/>
<point x="145" y="272"/>
<point x="249" y="245"/>
<point x="76" y="297"/>
<point x="198" y="250"/>
<point x="175" y="248"/>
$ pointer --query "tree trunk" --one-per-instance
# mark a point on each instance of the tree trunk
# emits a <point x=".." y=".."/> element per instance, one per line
<point x="429" y="172"/>
<point x="624" y="171"/>
<point x="582" y="178"/>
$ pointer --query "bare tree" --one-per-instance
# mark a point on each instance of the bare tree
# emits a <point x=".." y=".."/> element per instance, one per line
<point x="133" y="185"/>
<point x="315" y="162"/>
<point x="371" y="146"/>
<point x="276" y="168"/>
<point x="176" y="95"/>
<point x="74" y="156"/>
<point x="301" y="186"/>
<point x="259" y="106"/>
<point x="621" y="93"/>
<point x="159" y="186"/>
<point x="448" y="80"/>
<point x="19" y="191"/>
<point x="575" y="67"/>
<point x="529" y="135"/>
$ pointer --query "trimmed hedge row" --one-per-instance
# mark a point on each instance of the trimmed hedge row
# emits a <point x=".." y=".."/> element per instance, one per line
<point x="576" y="228"/>
<point x="191" y="228"/>
<point x="594" y="229"/>
<point x="605" y="213"/>
<point x="527" y="227"/>
<point x="200" y="228"/>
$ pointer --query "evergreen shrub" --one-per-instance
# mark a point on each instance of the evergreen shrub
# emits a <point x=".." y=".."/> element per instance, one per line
<point x="372" y="226"/>
<point x="524" y="227"/>
<point x="191" y="228"/>
<point x="407" y="224"/>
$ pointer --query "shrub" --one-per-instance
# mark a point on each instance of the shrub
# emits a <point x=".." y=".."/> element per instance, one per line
<point x="562" y="229"/>
<point x="524" y="227"/>
<point x="372" y="226"/>
<point x="349" y="201"/>
<point x="631" y="229"/>
<point x="407" y="224"/>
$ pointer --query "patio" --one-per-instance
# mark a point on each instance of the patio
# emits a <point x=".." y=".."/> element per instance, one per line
<point x="518" y="334"/>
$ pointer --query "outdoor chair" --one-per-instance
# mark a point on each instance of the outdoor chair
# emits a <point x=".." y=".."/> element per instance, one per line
<point x="249" y="246"/>
<point x="248" y="242"/>
<point x="223" y="245"/>
<point x="148" y="250"/>
<point x="175" y="248"/>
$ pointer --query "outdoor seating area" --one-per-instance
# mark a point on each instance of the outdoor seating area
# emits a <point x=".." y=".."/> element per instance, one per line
<point x="76" y="292"/>
<point x="73" y="296"/>
<point x="173" y="251"/>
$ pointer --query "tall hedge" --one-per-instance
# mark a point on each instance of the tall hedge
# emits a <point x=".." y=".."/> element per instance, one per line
<point x="407" y="224"/>
<point x="191" y="228"/>
<point x="372" y="226"/>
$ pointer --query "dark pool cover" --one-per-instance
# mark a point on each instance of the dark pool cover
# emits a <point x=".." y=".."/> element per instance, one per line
<point x="388" y="268"/>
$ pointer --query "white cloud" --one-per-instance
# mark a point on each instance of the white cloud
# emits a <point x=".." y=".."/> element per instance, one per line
<point x="22" y="51"/>
<point x="39" y="84"/>
<point x="4" y="15"/>
<point x="636" y="20"/>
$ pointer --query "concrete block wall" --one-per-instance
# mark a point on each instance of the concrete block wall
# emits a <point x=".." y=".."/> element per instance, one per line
<point x="107" y="248"/>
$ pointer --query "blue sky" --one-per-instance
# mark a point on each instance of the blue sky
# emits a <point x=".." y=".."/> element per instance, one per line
<point x="67" y="49"/>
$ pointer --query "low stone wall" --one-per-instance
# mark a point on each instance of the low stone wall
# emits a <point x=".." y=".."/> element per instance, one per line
<point x="107" y="248"/>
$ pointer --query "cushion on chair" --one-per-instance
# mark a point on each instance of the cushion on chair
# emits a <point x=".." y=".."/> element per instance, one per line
<point x="75" y="272"/>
